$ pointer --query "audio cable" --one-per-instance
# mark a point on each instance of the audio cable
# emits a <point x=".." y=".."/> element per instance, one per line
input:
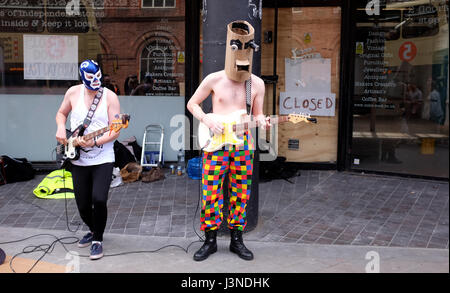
<point x="67" y="240"/>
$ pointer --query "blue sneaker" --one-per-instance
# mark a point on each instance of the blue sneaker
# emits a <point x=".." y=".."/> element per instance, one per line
<point x="86" y="240"/>
<point x="96" y="250"/>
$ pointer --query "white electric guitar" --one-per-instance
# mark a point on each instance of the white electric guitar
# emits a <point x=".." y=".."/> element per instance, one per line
<point x="235" y="125"/>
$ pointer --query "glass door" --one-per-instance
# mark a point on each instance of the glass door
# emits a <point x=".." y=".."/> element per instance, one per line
<point x="301" y="53"/>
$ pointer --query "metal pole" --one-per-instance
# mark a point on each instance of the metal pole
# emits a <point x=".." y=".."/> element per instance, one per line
<point x="216" y="15"/>
<point x="275" y="52"/>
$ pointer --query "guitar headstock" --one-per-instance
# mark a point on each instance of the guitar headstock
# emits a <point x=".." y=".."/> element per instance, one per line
<point x="120" y="122"/>
<point x="297" y="118"/>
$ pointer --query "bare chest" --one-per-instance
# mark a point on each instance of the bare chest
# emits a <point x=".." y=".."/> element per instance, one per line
<point x="229" y="96"/>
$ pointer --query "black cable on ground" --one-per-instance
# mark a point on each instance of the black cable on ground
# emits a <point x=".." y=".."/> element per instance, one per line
<point x="48" y="248"/>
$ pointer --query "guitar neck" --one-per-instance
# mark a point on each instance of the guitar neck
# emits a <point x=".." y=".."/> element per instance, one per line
<point x="96" y="133"/>
<point x="254" y="123"/>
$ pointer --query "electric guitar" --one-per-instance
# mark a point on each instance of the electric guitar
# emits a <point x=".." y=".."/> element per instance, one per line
<point x="235" y="126"/>
<point x="71" y="151"/>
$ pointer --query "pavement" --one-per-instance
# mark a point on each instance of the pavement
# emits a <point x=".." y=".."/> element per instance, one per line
<point x="270" y="257"/>
<point x="320" y="222"/>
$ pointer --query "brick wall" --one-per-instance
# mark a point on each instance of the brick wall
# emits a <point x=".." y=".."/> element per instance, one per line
<point x="126" y="29"/>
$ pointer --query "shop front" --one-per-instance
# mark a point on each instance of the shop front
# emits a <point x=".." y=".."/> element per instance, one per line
<point x="400" y="93"/>
<point x="139" y="45"/>
<point x="373" y="73"/>
<point x="301" y="64"/>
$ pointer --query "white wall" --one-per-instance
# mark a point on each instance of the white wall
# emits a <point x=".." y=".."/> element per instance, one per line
<point x="27" y="122"/>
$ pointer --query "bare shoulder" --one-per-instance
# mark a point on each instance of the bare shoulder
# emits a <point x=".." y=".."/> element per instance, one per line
<point x="113" y="104"/>
<point x="72" y="93"/>
<point x="75" y="89"/>
<point x="111" y="96"/>
<point x="214" y="77"/>
<point x="257" y="83"/>
<point x="256" y="80"/>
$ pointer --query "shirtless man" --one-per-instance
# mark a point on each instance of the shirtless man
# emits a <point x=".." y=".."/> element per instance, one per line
<point x="229" y="95"/>
<point x="92" y="172"/>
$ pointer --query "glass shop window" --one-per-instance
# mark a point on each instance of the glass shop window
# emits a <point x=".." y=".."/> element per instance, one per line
<point x="158" y="3"/>
<point x="421" y="21"/>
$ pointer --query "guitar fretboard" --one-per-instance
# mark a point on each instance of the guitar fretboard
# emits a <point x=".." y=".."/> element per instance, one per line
<point x="254" y="123"/>
<point x="95" y="133"/>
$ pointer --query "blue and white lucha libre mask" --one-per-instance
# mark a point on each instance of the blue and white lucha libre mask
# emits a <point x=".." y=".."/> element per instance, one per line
<point x="91" y="74"/>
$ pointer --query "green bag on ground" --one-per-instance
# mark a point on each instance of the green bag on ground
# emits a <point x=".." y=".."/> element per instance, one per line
<point x="56" y="185"/>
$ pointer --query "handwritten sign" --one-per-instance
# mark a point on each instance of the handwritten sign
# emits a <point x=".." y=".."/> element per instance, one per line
<point x="315" y="104"/>
<point x="50" y="57"/>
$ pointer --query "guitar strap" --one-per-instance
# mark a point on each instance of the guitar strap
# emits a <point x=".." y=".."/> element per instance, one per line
<point x="91" y="111"/>
<point x="248" y="95"/>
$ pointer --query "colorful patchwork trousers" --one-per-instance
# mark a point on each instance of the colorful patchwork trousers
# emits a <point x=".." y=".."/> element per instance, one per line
<point x="237" y="162"/>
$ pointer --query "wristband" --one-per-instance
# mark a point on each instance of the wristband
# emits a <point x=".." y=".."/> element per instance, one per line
<point x="95" y="142"/>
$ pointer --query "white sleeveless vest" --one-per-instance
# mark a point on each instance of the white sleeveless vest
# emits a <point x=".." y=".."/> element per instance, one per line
<point x="94" y="155"/>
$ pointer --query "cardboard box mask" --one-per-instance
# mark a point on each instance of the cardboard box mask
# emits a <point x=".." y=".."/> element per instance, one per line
<point x="239" y="50"/>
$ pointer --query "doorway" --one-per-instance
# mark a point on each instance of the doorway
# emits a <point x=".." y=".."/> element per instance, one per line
<point x="300" y="64"/>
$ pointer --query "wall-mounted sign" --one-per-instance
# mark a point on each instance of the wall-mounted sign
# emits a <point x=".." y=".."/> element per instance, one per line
<point x="180" y="57"/>
<point x="307" y="53"/>
<point x="307" y="38"/>
<point x="315" y="104"/>
<point x="293" y="144"/>
<point x="359" y="48"/>
<point x="50" y="57"/>
<point x="407" y="51"/>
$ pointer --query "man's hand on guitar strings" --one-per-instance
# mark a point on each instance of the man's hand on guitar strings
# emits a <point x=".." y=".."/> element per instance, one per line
<point x="263" y="121"/>
<point x="213" y="125"/>
<point x="61" y="135"/>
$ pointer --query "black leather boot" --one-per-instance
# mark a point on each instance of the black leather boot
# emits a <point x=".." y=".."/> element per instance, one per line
<point x="209" y="247"/>
<point x="237" y="245"/>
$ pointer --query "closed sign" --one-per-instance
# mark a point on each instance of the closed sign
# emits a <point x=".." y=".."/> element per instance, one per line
<point x="315" y="104"/>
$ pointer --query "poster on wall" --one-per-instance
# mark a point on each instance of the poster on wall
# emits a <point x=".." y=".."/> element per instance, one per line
<point x="308" y="75"/>
<point x="50" y="57"/>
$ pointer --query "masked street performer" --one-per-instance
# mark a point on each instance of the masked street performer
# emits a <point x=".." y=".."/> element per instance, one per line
<point x="235" y="92"/>
<point x="93" y="107"/>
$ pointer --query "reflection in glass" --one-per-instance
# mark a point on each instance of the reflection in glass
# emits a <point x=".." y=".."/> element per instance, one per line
<point x="400" y="102"/>
<point x="118" y="41"/>
<point x="158" y="3"/>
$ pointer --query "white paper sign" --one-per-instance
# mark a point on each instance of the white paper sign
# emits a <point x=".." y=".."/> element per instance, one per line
<point x="50" y="57"/>
<point x="315" y="104"/>
<point x="308" y="75"/>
